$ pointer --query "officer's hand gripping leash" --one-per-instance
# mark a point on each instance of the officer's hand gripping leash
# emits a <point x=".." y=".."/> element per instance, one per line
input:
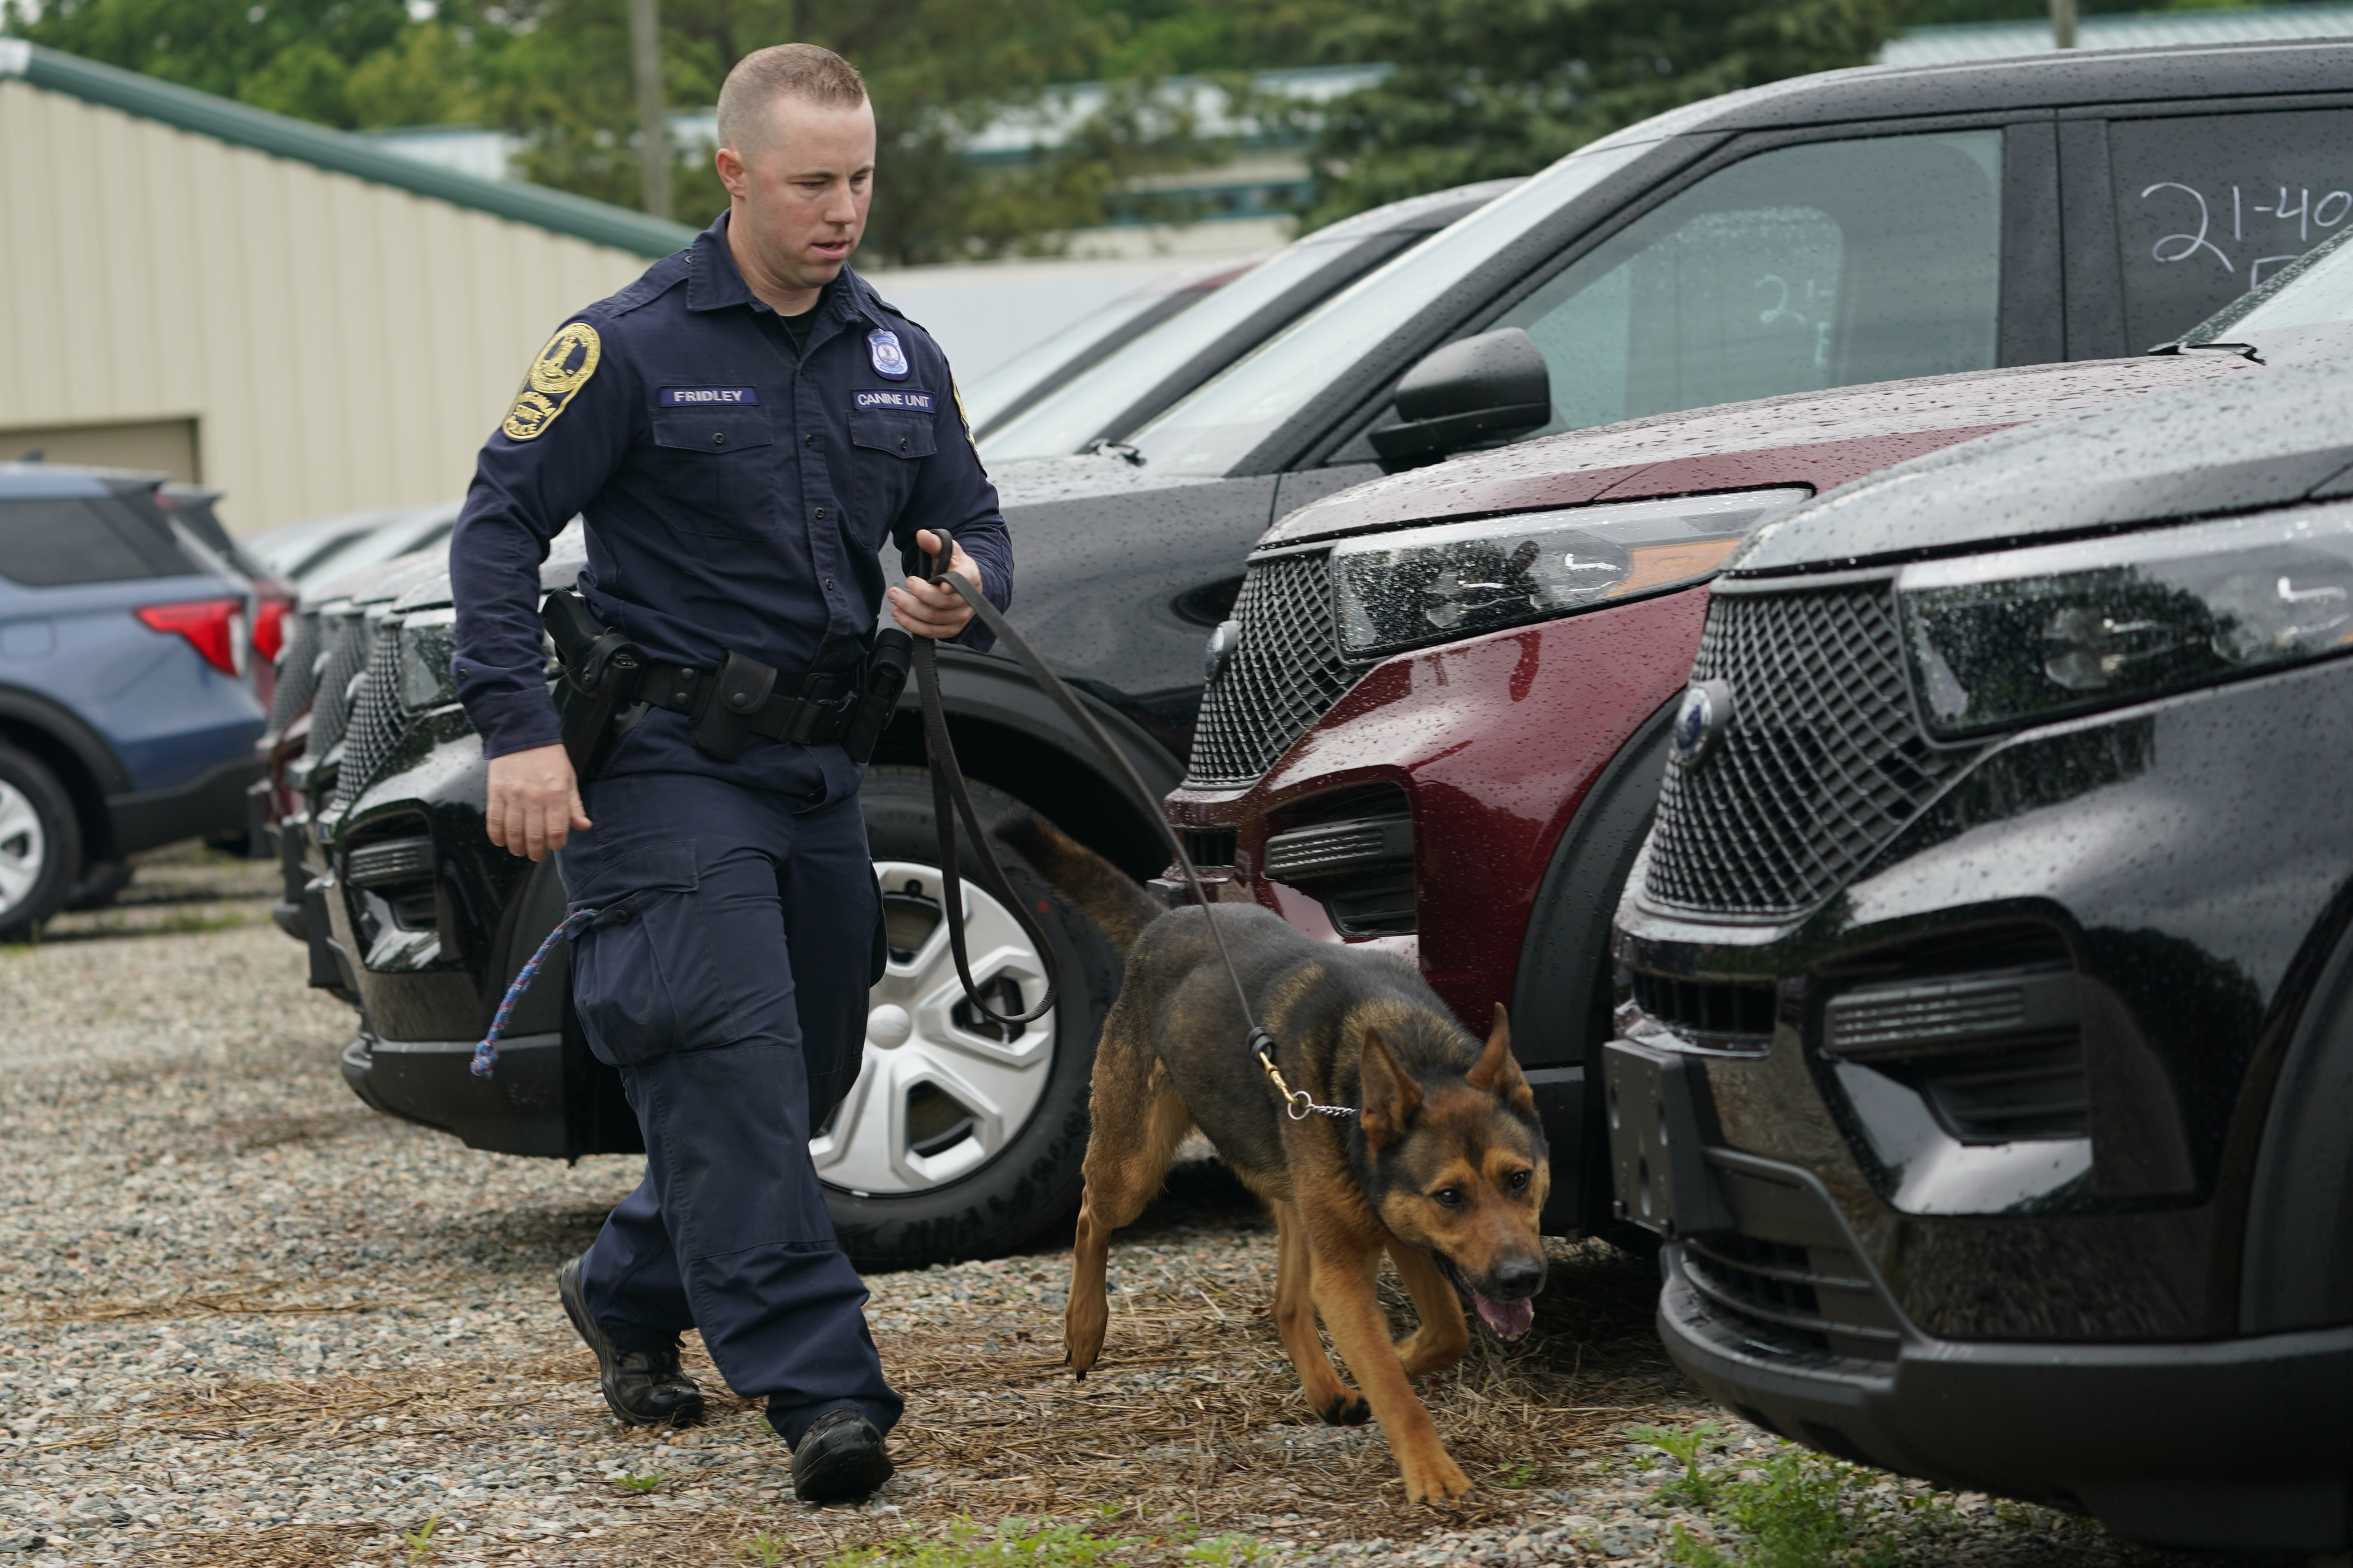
<point x="947" y="779"/>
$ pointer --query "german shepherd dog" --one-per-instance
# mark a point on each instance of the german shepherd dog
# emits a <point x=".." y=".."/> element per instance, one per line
<point x="1442" y="1166"/>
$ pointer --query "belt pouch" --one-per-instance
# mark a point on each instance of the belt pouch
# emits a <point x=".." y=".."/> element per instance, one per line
<point x="741" y="690"/>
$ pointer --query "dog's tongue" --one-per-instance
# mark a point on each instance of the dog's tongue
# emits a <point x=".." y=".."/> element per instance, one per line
<point x="1509" y="1318"/>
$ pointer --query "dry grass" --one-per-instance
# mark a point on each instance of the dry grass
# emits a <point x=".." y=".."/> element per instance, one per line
<point x="1191" y="1425"/>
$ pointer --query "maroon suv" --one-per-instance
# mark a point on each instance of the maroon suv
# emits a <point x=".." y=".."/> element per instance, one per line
<point x="1438" y="721"/>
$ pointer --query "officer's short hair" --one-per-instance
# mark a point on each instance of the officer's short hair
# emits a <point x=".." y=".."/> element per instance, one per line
<point x="800" y="70"/>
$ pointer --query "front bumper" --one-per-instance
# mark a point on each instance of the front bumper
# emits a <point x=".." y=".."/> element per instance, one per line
<point x="2066" y="1313"/>
<point x="2242" y="1443"/>
<point x="213" y="801"/>
<point x="522" y="1108"/>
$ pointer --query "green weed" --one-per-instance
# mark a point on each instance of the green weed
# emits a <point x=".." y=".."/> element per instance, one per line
<point x="1684" y="1446"/>
<point x="763" y="1549"/>
<point x="640" y="1483"/>
<point x="1225" y="1551"/>
<point x="1802" y="1513"/>
<point x="1523" y="1472"/>
<point x="1014" y="1543"/>
<point x="421" y="1540"/>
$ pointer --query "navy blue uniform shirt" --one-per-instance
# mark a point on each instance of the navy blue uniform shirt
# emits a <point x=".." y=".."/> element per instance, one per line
<point x="735" y="494"/>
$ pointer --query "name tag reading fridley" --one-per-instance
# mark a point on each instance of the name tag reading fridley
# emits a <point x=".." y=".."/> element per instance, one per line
<point x="703" y="397"/>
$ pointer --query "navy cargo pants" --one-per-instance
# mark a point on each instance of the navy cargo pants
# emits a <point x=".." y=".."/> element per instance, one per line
<point x="727" y="981"/>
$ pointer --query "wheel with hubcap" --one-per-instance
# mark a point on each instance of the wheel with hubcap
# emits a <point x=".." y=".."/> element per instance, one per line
<point x="962" y="1137"/>
<point x="40" y="844"/>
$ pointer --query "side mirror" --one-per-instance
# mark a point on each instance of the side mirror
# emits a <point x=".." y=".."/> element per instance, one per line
<point x="1466" y="393"/>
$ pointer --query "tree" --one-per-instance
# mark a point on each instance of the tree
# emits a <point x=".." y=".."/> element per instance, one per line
<point x="1485" y="88"/>
<point x="291" y="56"/>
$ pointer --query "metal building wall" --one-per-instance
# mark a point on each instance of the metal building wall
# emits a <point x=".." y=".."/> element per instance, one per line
<point x="340" y="344"/>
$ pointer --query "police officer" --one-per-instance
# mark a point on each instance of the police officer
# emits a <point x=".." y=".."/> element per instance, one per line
<point x="742" y="428"/>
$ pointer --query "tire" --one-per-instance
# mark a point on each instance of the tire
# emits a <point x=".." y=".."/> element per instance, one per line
<point x="914" y="1174"/>
<point x="40" y="844"/>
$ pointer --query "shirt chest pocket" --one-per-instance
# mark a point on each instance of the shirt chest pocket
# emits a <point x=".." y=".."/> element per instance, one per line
<point x="711" y="467"/>
<point x="887" y="448"/>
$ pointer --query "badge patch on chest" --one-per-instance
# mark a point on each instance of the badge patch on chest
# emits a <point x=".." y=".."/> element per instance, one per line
<point x="889" y="359"/>
<point x="562" y="369"/>
<point x="708" y="396"/>
<point x="911" y="400"/>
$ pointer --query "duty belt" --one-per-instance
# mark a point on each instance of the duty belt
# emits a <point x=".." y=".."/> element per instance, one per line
<point x="604" y="677"/>
<point x="741" y="698"/>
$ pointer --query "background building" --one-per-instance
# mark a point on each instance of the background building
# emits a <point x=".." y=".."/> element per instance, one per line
<point x="300" y="318"/>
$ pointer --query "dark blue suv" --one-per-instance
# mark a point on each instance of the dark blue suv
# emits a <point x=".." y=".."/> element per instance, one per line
<point x="127" y="714"/>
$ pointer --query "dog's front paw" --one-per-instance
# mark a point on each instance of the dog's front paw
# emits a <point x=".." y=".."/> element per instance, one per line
<point x="1346" y="1409"/>
<point x="1084" y="1323"/>
<point x="1435" y="1479"/>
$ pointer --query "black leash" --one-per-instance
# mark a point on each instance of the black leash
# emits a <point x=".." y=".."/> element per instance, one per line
<point x="947" y="783"/>
<point x="608" y="660"/>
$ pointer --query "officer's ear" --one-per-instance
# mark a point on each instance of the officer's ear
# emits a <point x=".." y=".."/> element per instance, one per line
<point x="732" y="172"/>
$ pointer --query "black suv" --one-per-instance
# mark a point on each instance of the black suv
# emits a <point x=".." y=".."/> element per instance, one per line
<point x="1829" y="231"/>
<point x="1986" y="1031"/>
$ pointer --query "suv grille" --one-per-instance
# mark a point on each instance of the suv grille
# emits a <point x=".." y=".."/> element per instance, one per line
<point x="1787" y="1271"/>
<point x="298" y="674"/>
<point x="376" y="720"/>
<point x="1705" y="1006"/>
<point x="1285" y="671"/>
<point x="347" y="643"/>
<point x="1775" y="1291"/>
<point x="1820" y="765"/>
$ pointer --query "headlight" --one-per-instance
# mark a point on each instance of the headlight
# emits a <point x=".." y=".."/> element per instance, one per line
<point x="428" y="640"/>
<point x="1460" y="579"/>
<point x="1998" y="640"/>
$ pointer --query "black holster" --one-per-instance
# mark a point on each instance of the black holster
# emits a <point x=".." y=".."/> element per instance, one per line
<point x="599" y="684"/>
<point x="878" y="685"/>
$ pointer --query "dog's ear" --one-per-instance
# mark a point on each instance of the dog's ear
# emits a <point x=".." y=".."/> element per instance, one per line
<point x="1391" y="1097"/>
<point x="1497" y="1071"/>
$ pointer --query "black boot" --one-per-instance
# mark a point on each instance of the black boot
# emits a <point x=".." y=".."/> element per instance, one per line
<point x="644" y="1388"/>
<point x="839" y="1458"/>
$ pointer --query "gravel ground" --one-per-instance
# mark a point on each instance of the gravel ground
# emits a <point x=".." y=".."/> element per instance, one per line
<point x="246" y="1321"/>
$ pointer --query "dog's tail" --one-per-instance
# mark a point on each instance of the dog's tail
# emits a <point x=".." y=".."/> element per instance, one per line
<point x="1105" y="894"/>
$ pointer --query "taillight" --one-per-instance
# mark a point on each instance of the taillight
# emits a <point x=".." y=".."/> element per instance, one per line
<point x="214" y="627"/>
<point x="270" y="627"/>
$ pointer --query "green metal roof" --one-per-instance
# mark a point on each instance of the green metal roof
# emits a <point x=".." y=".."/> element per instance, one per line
<point x="599" y="223"/>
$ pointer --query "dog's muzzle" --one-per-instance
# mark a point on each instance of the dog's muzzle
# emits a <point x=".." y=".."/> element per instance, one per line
<point x="1505" y="1299"/>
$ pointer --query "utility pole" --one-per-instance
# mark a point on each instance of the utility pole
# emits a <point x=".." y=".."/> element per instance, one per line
<point x="653" y="127"/>
<point x="2063" y="24"/>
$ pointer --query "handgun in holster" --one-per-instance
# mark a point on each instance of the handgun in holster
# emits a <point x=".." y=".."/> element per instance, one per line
<point x="880" y="682"/>
<point x="601" y="671"/>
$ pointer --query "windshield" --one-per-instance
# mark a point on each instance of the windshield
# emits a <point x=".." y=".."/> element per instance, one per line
<point x="988" y="399"/>
<point x="1081" y="410"/>
<point x="1221" y="424"/>
<point x="2314" y="291"/>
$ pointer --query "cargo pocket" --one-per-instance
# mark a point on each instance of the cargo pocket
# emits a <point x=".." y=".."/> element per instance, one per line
<point x="713" y="467"/>
<point x="642" y="976"/>
<point x="887" y="446"/>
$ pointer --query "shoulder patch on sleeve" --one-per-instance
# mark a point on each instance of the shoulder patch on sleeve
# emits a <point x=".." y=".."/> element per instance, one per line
<point x="559" y="373"/>
<point x="964" y="417"/>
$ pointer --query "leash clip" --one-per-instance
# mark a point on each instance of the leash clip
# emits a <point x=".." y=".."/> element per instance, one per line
<point x="1297" y="1103"/>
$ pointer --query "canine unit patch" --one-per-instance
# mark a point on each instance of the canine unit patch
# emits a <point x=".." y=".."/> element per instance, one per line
<point x="562" y="369"/>
<point x="708" y="396"/>
<point x="911" y="400"/>
<point x="889" y="359"/>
